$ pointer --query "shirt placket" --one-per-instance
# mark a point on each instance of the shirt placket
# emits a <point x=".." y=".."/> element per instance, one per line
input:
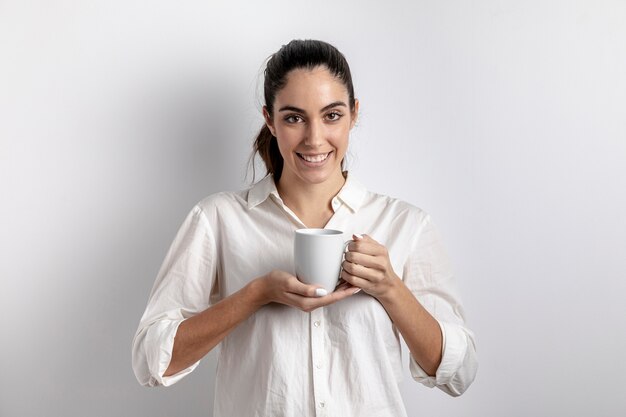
<point x="320" y="385"/>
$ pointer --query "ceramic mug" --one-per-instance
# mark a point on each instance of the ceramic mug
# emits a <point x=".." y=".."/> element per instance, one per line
<point x="318" y="255"/>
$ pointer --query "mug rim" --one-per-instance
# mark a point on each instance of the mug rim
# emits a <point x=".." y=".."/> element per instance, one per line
<point x="316" y="231"/>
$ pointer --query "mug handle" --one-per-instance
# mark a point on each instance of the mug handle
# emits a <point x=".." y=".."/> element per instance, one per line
<point x="345" y="249"/>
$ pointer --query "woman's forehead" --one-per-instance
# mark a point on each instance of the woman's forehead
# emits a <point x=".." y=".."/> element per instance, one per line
<point x="312" y="86"/>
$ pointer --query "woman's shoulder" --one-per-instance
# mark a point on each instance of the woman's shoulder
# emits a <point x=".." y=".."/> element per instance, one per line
<point x="395" y="206"/>
<point x="222" y="200"/>
<point x="359" y="196"/>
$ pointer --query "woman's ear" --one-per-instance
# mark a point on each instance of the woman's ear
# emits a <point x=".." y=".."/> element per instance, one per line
<point x="355" y="113"/>
<point x="268" y="121"/>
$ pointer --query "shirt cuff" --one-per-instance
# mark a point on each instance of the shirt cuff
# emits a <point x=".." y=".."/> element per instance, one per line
<point x="454" y="346"/>
<point x="160" y="337"/>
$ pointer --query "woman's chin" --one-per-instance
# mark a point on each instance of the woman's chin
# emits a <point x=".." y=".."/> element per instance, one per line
<point x="322" y="176"/>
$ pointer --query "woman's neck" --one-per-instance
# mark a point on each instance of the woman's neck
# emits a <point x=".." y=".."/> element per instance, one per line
<point x="310" y="202"/>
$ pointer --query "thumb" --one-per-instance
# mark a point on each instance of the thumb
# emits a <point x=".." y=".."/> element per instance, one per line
<point x="307" y="290"/>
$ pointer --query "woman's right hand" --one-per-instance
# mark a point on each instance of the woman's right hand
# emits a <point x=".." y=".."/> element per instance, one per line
<point x="282" y="287"/>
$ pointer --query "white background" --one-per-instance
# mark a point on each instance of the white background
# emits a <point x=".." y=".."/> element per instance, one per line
<point x="505" y="120"/>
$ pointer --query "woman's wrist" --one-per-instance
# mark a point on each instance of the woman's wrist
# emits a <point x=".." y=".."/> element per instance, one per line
<point x="394" y="290"/>
<point x="255" y="292"/>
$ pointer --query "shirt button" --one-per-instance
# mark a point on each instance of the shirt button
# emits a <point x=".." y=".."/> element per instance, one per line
<point x="322" y="404"/>
<point x="318" y="366"/>
<point x="316" y="324"/>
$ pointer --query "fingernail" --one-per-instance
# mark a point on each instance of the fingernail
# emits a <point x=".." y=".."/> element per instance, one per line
<point x="358" y="290"/>
<point x="359" y="237"/>
<point x="320" y="292"/>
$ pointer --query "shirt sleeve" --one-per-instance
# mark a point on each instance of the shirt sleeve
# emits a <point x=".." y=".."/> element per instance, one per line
<point x="429" y="276"/>
<point x="182" y="289"/>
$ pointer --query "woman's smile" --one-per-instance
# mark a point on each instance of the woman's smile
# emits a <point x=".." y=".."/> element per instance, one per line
<point x="314" y="160"/>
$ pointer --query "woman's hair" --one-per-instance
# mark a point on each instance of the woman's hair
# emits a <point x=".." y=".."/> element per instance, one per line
<point x="296" y="54"/>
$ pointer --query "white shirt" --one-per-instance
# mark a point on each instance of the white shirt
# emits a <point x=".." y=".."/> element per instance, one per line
<point x="340" y="360"/>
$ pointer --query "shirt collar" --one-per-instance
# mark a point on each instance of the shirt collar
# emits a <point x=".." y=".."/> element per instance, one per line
<point x="351" y="194"/>
<point x="261" y="191"/>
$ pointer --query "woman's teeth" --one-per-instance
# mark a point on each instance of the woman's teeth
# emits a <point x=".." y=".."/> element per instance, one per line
<point x="314" y="158"/>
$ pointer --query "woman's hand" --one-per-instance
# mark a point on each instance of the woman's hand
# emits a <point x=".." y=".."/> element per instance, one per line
<point x="368" y="267"/>
<point x="284" y="288"/>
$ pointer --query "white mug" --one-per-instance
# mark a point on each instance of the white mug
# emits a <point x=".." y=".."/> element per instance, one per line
<point x="318" y="255"/>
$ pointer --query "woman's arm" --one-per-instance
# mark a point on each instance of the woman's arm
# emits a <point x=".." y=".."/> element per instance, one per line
<point x="418" y="327"/>
<point x="443" y="353"/>
<point x="197" y="335"/>
<point x="367" y="265"/>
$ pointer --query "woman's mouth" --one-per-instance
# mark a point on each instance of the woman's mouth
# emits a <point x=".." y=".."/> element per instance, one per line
<point x="314" y="160"/>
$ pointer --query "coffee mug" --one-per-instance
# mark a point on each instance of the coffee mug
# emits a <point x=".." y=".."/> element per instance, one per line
<point x="318" y="255"/>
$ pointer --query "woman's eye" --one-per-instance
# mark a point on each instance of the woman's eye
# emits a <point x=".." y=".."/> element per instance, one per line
<point x="334" y="116"/>
<point x="293" y="118"/>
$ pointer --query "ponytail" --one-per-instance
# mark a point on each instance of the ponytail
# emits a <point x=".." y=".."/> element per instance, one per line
<point x="267" y="147"/>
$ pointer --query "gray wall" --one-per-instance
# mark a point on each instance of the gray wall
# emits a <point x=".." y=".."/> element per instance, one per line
<point x="504" y="120"/>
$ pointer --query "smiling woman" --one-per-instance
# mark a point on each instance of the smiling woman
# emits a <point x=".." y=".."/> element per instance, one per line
<point x="290" y="348"/>
<point x="311" y="129"/>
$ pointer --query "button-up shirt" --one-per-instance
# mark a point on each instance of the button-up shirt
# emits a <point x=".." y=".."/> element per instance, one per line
<point x="343" y="359"/>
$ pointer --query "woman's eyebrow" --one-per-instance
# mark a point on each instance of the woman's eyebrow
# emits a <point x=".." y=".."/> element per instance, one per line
<point x="298" y="110"/>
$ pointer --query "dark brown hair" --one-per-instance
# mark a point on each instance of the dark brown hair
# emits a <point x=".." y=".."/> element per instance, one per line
<point x="295" y="55"/>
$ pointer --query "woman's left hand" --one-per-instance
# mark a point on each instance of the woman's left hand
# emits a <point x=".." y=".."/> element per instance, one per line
<point x="368" y="267"/>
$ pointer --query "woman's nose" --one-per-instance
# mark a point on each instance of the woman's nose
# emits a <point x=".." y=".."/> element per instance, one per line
<point x="314" y="135"/>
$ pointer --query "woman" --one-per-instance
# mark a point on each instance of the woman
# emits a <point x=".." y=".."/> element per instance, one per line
<point x="288" y="348"/>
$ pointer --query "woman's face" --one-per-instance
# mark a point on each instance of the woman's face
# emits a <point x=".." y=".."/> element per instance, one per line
<point x="312" y="122"/>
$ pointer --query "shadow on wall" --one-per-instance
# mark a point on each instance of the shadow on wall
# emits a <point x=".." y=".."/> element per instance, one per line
<point x="181" y="141"/>
<point x="196" y="125"/>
